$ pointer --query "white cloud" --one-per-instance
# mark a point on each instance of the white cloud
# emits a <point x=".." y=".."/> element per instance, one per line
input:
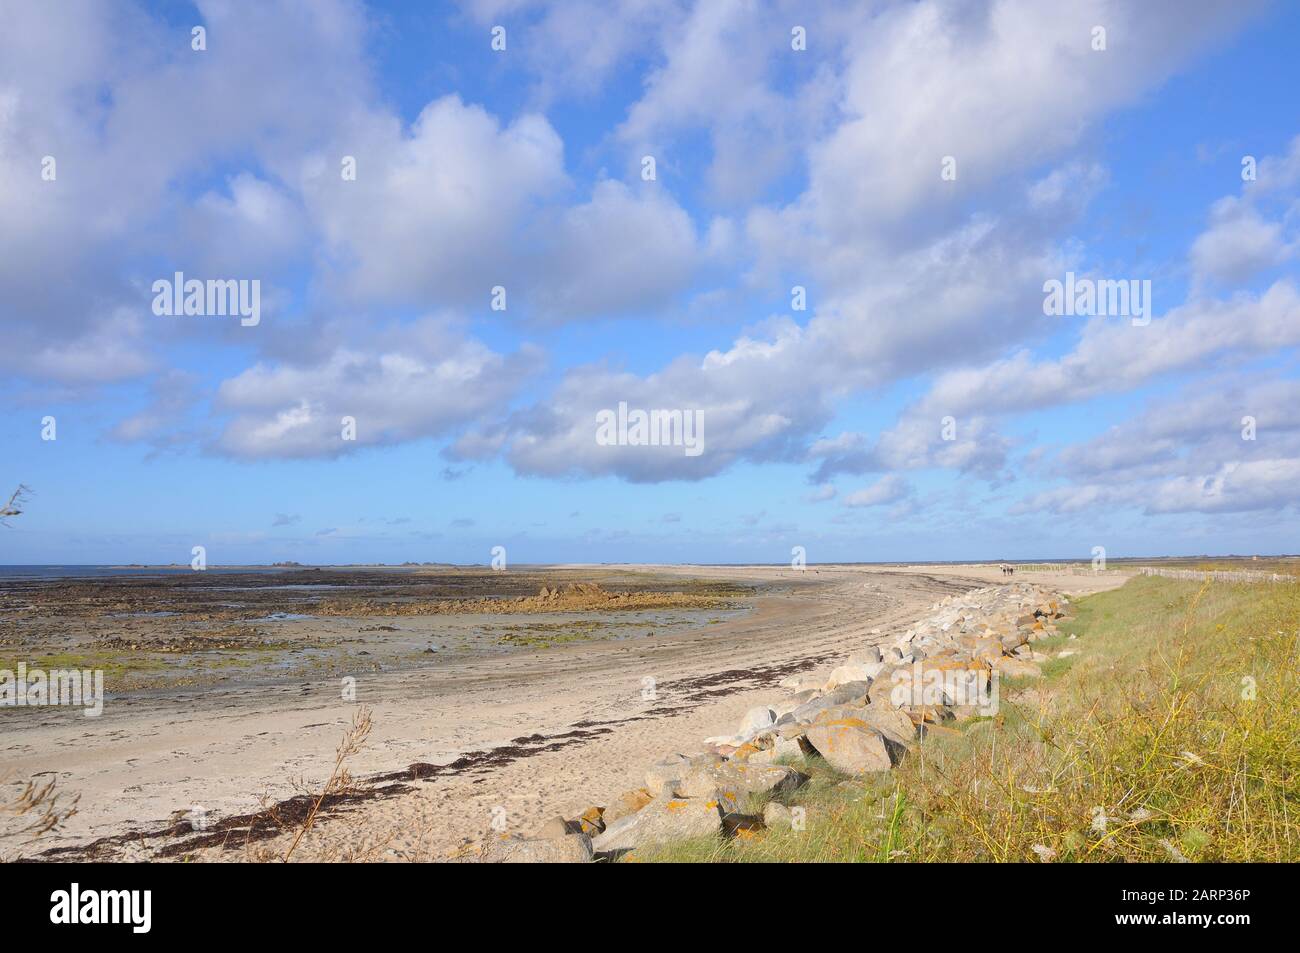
<point x="888" y="489"/>
<point x="620" y="252"/>
<point x="1188" y="453"/>
<point x="1238" y="244"/>
<point x="421" y="380"/>
<point x="1113" y="356"/>
<point x="452" y="192"/>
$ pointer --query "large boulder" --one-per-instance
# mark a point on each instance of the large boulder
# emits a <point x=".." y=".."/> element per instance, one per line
<point x="848" y="694"/>
<point x="851" y="746"/>
<point x="786" y="705"/>
<point x="1017" y="668"/>
<point x="776" y="815"/>
<point x="853" y="671"/>
<point x="755" y="720"/>
<point x="890" y="722"/>
<point x="783" y="749"/>
<point x="512" y="849"/>
<point x="663" y="820"/>
<point x="666" y="771"/>
<point x="737" y="780"/>
<point x="1013" y="640"/>
<point x="558" y="827"/>
<point x="802" y="682"/>
<point x="629" y="802"/>
<point x="662" y="776"/>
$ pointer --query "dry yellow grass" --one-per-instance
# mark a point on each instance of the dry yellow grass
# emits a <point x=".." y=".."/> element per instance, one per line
<point x="1173" y="735"/>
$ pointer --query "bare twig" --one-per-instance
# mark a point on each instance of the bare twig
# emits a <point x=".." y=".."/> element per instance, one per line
<point x="42" y="807"/>
<point x="12" y="508"/>
<point x="354" y="740"/>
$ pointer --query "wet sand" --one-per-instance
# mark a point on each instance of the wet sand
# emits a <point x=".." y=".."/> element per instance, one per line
<point x="519" y="732"/>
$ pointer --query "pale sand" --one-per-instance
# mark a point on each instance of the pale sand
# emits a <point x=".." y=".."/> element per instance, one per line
<point x="222" y="750"/>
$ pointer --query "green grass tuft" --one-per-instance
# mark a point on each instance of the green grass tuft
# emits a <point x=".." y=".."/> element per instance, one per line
<point x="1175" y="733"/>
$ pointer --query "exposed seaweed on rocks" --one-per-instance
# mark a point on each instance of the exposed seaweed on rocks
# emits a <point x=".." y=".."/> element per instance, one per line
<point x="861" y="717"/>
<point x="574" y="597"/>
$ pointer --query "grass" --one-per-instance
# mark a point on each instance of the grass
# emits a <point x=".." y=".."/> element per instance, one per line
<point x="112" y="663"/>
<point x="1173" y="734"/>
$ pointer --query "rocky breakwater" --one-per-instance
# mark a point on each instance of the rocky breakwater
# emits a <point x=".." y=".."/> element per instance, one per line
<point x="862" y="716"/>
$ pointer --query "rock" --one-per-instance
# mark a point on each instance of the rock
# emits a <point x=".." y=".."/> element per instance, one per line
<point x="558" y="827"/>
<point x="851" y="746"/>
<point x="663" y="820"/>
<point x="745" y="752"/>
<point x="844" y="695"/>
<point x="802" y="682"/>
<point x="853" y="672"/>
<point x="629" y="802"/>
<point x="787" y="705"/>
<point x="739" y="780"/>
<point x="512" y="849"/>
<point x="783" y="749"/>
<point x="592" y="821"/>
<point x="666" y="771"/>
<point x="1017" y="668"/>
<point x="777" y="816"/>
<point x="755" y="720"/>
<point x="891" y="723"/>
<point x="838" y="712"/>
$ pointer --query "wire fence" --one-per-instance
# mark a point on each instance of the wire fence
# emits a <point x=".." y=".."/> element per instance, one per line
<point x="1218" y="575"/>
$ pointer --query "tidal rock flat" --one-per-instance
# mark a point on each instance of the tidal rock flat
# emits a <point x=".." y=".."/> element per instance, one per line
<point x="463" y="742"/>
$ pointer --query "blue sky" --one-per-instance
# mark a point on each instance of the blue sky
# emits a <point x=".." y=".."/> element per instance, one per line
<point x="522" y="168"/>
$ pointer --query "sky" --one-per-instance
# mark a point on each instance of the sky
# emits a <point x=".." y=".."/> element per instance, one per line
<point x="825" y="233"/>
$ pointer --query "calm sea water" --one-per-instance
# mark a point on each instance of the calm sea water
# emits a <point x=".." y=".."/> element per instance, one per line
<point x="13" y="573"/>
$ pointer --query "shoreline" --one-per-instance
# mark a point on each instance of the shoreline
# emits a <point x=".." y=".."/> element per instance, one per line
<point x="226" y="751"/>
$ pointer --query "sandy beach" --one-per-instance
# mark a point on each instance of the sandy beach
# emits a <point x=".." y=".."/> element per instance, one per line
<point x="462" y="738"/>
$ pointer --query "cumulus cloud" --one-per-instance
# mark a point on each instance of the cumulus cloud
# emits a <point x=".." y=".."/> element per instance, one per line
<point x="557" y="437"/>
<point x="619" y="252"/>
<point x="756" y="129"/>
<point x="929" y="80"/>
<point x="1239" y="243"/>
<point x="405" y="383"/>
<point x="1230" y="444"/>
<point x="1112" y="355"/>
<point x="574" y="46"/>
<point x="888" y="489"/>
<point x="908" y="275"/>
<point x="452" y="191"/>
<point x="915" y="442"/>
<point x="911" y="281"/>
<point x="174" y="394"/>
<point x="70" y="90"/>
